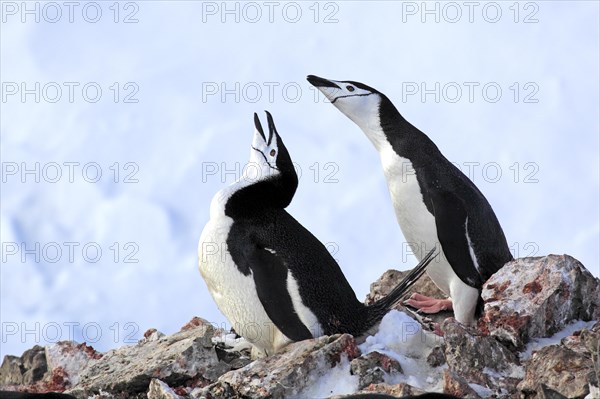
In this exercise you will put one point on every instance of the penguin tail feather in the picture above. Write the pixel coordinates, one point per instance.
(376, 311)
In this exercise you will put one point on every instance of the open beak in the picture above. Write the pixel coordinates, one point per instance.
(258, 127)
(272, 128)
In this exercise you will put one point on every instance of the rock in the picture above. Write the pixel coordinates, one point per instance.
(480, 359)
(547, 393)
(398, 390)
(527, 299)
(71, 358)
(235, 360)
(186, 357)
(34, 362)
(436, 357)
(455, 385)
(286, 373)
(560, 369)
(28, 369)
(152, 334)
(372, 367)
(31, 372)
(536, 297)
(10, 371)
(160, 390)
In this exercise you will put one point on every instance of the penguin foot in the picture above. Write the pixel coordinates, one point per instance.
(427, 304)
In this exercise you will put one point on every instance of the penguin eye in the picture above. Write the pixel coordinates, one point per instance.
(350, 88)
(272, 153)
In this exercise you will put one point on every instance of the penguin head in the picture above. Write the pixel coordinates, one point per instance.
(268, 155)
(356, 100)
(270, 163)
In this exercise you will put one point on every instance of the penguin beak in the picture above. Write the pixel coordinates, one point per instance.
(272, 128)
(329, 88)
(258, 127)
(261, 144)
(321, 82)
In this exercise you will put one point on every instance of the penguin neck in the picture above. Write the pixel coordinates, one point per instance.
(247, 197)
(388, 130)
(376, 124)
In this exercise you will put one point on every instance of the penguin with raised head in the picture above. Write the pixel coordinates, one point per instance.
(273, 280)
(433, 200)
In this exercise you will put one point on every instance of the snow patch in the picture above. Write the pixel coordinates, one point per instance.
(401, 338)
(594, 392)
(482, 391)
(336, 381)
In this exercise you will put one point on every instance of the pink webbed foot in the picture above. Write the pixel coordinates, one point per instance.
(427, 304)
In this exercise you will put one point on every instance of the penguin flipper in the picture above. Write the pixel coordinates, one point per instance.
(451, 221)
(270, 277)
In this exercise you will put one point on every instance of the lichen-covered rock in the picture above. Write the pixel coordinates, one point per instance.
(160, 390)
(10, 371)
(481, 359)
(286, 373)
(28, 369)
(372, 367)
(71, 357)
(561, 369)
(437, 356)
(547, 393)
(536, 297)
(397, 390)
(526, 300)
(455, 385)
(184, 357)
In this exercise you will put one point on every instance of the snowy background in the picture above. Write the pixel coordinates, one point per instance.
(116, 135)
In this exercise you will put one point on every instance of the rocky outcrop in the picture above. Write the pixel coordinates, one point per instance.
(287, 373)
(373, 367)
(186, 358)
(480, 360)
(539, 338)
(28, 369)
(568, 368)
(537, 297)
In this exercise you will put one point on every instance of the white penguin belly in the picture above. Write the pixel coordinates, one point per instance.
(234, 293)
(416, 222)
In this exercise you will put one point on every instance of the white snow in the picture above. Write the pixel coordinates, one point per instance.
(482, 391)
(402, 338)
(594, 393)
(337, 381)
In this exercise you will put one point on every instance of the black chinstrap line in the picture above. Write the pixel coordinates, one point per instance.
(351, 95)
(266, 161)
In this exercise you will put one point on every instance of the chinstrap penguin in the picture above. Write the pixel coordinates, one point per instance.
(434, 202)
(273, 280)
